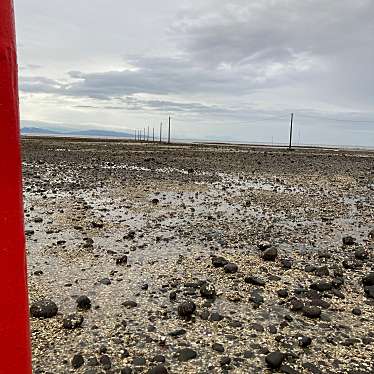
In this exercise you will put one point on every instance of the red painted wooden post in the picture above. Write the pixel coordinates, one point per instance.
(14, 315)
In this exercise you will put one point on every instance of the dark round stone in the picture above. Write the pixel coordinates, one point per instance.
(321, 286)
(105, 281)
(218, 347)
(105, 362)
(356, 311)
(129, 304)
(84, 302)
(270, 254)
(255, 281)
(305, 341)
(173, 296)
(43, 309)
(224, 361)
(311, 311)
(368, 280)
(77, 361)
(207, 291)
(274, 359)
(219, 262)
(186, 354)
(159, 369)
(230, 268)
(283, 293)
(186, 309)
(262, 246)
(72, 321)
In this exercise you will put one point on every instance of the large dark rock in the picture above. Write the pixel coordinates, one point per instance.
(270, 254)
(322, 286)
(230, 268)
(186, 354)
(84, 302)
(77, 361)
(274, 359)
(368, 280)
(311, 311)
(254, 281)
(186, 309)
(43, 309)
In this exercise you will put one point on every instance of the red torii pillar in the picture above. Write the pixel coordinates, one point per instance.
(14, 316)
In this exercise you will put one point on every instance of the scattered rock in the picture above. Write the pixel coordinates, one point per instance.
(77, 361)
(207, 291)
(311, 311)
(270, 254)
(121, 260)
(186, 354)
(84, 302)
(275, 359)
(43, 309)
(72, 321)
(349, 240)
(219, 262)
(230, 268)
(186, 309)
(159, 369)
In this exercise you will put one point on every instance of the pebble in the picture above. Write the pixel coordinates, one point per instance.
(207, 291)
(121, 260)
(304, 341)
(230, 268)
(83, 302)
(218, 347)
(254, 281)
(186, 354)
(275, 359)
(186, 309)
(72, 321)
(270, 254)
(43, 309)
(219, 262)
(311, 311)
(77, 361)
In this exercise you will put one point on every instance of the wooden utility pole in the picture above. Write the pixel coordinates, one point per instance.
(148, 134)
(169, 131)
(153, 135)
(144, 133)
(161, 132)
(290, 145)
(135, 134)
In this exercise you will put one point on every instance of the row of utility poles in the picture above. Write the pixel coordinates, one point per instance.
(144, 136)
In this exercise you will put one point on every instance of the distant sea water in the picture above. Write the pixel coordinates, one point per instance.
(213, 141)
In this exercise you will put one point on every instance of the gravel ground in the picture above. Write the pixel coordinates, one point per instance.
(149, 258)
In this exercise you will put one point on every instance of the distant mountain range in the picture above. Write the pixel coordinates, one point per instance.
(90, 133)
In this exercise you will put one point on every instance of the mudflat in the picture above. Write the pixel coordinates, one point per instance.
(187, 258)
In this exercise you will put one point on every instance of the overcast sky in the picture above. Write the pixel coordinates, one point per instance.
(227, 69)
